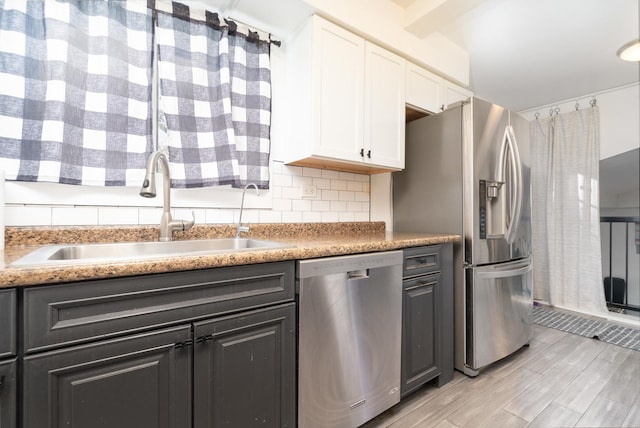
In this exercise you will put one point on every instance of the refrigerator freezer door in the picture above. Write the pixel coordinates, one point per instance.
(499, 311)
(496, 184)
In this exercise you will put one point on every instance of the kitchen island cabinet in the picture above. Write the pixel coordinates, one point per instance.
(150, 350)
(8, 365)
(427, 316)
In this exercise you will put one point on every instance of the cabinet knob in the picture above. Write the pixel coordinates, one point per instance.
(361, 152)
(369, 154)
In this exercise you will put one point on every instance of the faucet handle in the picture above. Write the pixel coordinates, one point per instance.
(188, 224)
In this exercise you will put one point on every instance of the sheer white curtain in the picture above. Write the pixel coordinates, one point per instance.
(565, 216)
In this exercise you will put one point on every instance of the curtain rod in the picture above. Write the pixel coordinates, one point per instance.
(576, 99)
(211, 18)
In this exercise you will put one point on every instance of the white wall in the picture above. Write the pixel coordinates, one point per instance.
(619, 117)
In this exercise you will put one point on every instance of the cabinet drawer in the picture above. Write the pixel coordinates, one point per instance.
(421, 260)
(422, 281)
(8, 322)
(80, 312)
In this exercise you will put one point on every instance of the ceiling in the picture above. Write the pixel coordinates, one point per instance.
(526, 54)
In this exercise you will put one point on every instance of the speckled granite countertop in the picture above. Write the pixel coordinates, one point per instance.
(304, 241)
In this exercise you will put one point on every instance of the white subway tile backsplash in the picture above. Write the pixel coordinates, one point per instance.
(292, 216)
(320, 206)
(301, 205)
(340, 196)
(269, 216)
(329, 217)
(344, 216)
(74, 216)
(117, 215)
(346, 196)
(347, 176)
(311, 217)
(361, 216)
(27, 215)
(298, 180)
(281, 204)
(354, 206)
(354, 186)
(291, 170)
(322, 183)
(248, 216)
(290, 193)
(326, 173)
(311, 172)
(149, 215)
(362, 196)
(339, 206)
(338, 185)
(330, 195)
(281, 180)
(214, 216)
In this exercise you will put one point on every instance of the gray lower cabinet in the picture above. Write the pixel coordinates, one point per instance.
(206, 348)
(427, 316)
(421, 331)
(138, 381)
(8, 405)
(8, 361)
(244, 370)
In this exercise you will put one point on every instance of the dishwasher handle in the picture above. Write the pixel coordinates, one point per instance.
(358, 274)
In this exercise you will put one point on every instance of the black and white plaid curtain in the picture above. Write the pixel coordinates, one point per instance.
(75, 91)
(215, 96)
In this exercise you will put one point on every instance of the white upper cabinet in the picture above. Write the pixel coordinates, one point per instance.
(452, 93)
(346, 102)
(384, 108)
(429, 92)
(338, 93)
(423, 89)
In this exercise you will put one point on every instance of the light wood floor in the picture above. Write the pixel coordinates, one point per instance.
(561, 380)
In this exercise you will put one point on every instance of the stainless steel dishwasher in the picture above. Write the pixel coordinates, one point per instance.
(350, 321)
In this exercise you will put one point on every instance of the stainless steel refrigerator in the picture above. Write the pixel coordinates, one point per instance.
(468, 172)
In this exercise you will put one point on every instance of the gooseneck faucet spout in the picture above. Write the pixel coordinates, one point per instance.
(148, 190)
(239, 227)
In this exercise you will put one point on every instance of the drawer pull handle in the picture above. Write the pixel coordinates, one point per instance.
(184, 344)
(204, 338)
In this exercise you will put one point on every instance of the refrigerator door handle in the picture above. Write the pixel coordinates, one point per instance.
(506, 273)
(509, 144)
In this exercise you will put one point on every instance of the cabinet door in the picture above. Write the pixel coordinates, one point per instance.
(452, 93)
(422, 89)
(8, 394)
(8, 323)
(338, 60)
(137, 381)
(384, 108)
(420, 332)
(244, 370)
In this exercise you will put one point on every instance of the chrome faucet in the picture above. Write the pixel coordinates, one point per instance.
(148, 190)
(239, 227)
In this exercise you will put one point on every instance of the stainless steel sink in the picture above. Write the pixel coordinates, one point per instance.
(92, 253)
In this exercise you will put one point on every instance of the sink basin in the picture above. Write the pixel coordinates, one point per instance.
(92, 253)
